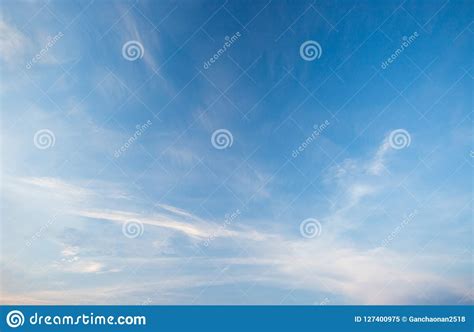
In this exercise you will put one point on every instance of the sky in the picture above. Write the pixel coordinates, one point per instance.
(236, 152)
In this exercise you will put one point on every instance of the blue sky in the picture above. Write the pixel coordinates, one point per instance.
(153, 175)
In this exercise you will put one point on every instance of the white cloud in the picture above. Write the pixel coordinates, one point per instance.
(57, 187)
(176, 210)
(377, 165)
(195, 231)
(350, 270)
(359, 276)
(130, 32)
(13, 43)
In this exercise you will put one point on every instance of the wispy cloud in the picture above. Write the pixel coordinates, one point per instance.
(13, 43)
(65, 209)
(156, 220)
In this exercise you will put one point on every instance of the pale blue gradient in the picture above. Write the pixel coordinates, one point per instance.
(63, 207)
